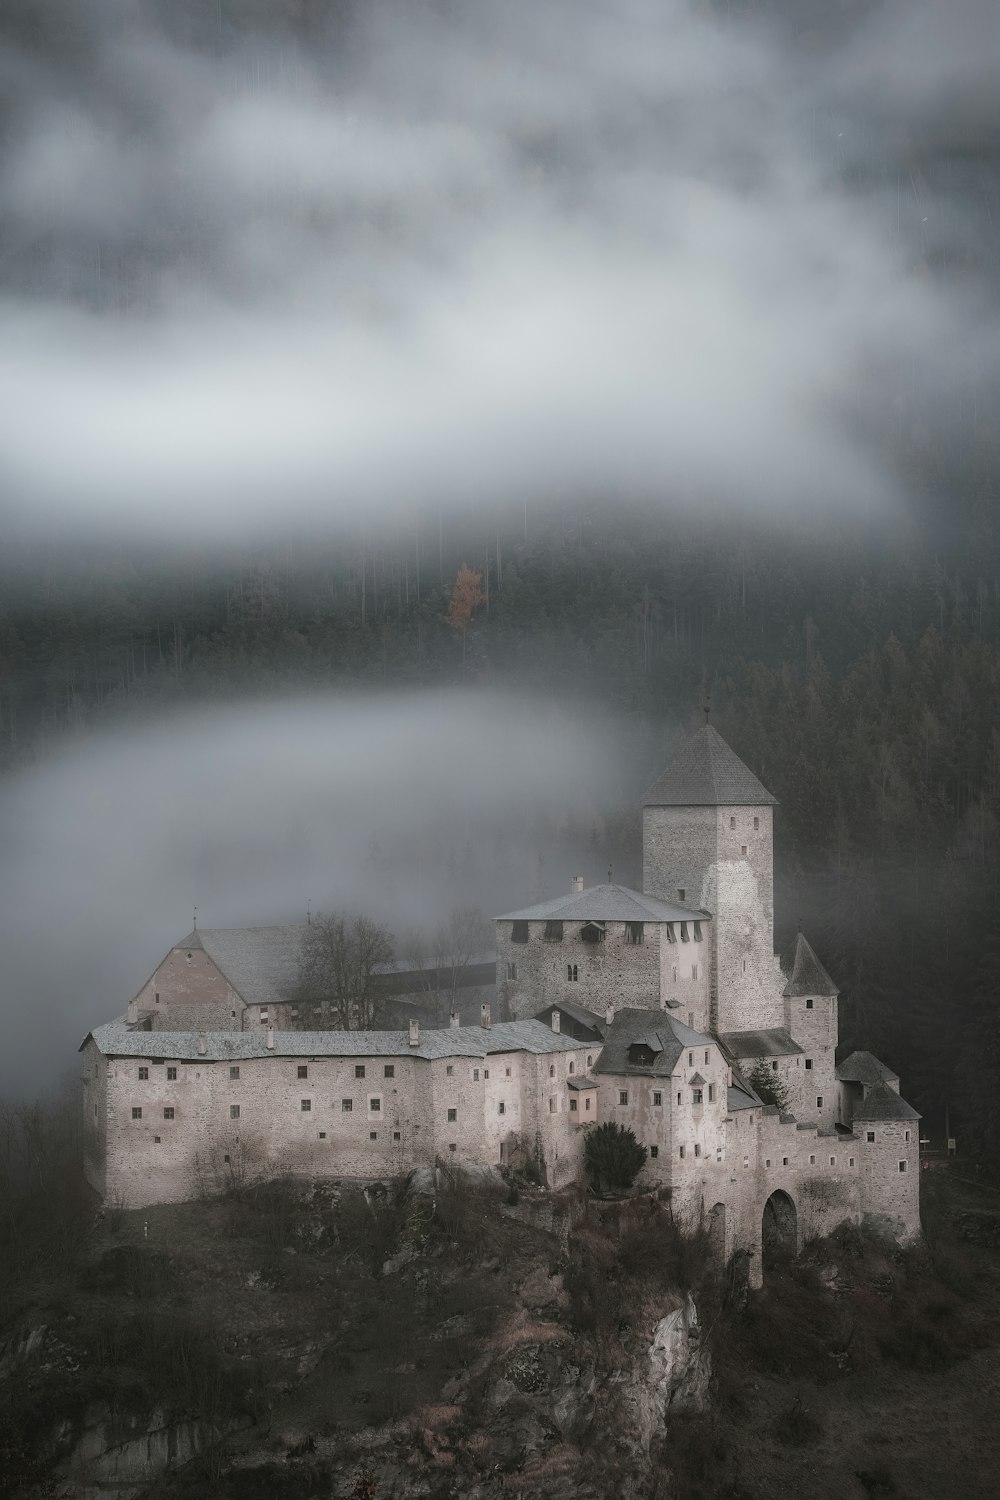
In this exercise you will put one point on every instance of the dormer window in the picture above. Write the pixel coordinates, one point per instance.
(635, 932)
(554, 932)
(593, 932)
(671, 935)
(640, 1055)
(519, 932)
(684, 933)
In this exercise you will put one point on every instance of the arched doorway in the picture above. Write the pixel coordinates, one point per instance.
(779, 1229)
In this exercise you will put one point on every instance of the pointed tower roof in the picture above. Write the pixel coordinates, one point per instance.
(706, 773)
(806, 975)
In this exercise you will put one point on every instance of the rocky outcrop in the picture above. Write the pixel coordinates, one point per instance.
(674, 1376)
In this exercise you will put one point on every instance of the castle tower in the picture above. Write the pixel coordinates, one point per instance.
(707, 842)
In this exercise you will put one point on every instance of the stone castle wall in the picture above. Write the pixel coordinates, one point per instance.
(188, 993)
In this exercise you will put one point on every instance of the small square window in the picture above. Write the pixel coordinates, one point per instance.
(156, 1138)
(767, 1162)
(346, 1105)
(452, 1116)
(902, 1166)
(143, 1073)
(654, 1152)
(168, 1113)
(475, 1075)
(657, 1099)
(819, 1101)
(870, 1137)
(449, 1069)
(501, 1108)
(572, 1106)
(507, 1072)
(137, 1111)
(850, 1161)
(375, 1105)
(681, 893)
(809, 1002)
(812, 1161)
(774, 1067)
(743, 848)
(302, 1071)
(395, 1135)
(359, 1070)
(623, 1096)
(305, 1105)
(809, 1063)
(171, 1074)
(833, 1161)
(373, 1135)
(322, 1135)
(234, 1111)
(389, 1071)
(784, 1161)
(234, 1073)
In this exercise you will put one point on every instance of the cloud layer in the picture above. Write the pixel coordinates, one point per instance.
(464, 254)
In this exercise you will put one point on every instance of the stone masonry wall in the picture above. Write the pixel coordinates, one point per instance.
(613, 970)
(188, 993)
(890, 1195)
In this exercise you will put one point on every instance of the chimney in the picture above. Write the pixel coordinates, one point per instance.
(555, 1020)
(609, 1014)
(484, 1017)
(414, 1033)
(454, 1019)
(270, 1039)
(202, 1044)
(133, 1012)
(577, 885)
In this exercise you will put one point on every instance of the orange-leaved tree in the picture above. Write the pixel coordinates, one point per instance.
(465, 597)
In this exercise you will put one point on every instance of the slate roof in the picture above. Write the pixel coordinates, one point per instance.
(883, 1103)
(737, 1098)
(630, 1026)
(578, 1013)
(606, 903)
(117, 1039)
(864, 1067)
(774, 1043)
(581, 1081)
(806, 975)
(705, 772)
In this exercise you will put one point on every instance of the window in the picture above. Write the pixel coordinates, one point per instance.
(657, 1099)
(375, 1105)
(809, 1063)
(572, 1066)
(346, 1105)
(743, 848)
(767, 1162)
(697, 1150)
(373, 1135)
(784, 1161)
(586, 1103)
(902, 1166)
(156, 1138)
(744, 966)
(571, 973)
(711, 1093)
(572, 1106)
(137, 1111)
(809, 1003)
(697, 931)
(690, 1059)
(756, 824)
(552, 1070)
(554, 932)
(157, 997)
(322, 1135)
(635, 932)
(833, 1161)
(452, 1146)
(732, 822)
(681, 893)
(263, 1017)
(305, 1105)
(552, 1106)
(870, 1137)
(226, 1157)
(234, 1073)
(475, 1075)
(395, 1135)
(507, 1072)
(590, 1059)
(486, 1073)
(746, 1162)
(519, 932)
(819, 1101)
(359, 1071)
(302, 1071)
(774, 1067)
(696, 1096)
(168, 1113)
(511, 970)
(654, 1152)
(450, 1069)
(143, 1073)
(684, 933)
(623, 1096)
(694, 971)
(812, 1161)
(452, 1116)
(234, 1111)
(389, 1071)
(682, 1153)
(707, 1054)
(907, 1135)
(501, 1108)
(679, 1100)
(171, 1074)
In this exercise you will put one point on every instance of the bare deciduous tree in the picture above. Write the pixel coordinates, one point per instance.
(341, 959)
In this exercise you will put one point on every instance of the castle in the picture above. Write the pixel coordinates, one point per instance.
(650, 1008)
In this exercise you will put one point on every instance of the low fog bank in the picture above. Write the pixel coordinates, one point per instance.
(263, 269)
(398, 806)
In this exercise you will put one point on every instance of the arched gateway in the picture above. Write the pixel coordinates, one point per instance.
(779, 1227)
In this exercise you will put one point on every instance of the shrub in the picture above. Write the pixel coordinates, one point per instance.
(612, 1157)
(767, 1085)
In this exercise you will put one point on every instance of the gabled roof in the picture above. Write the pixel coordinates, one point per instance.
(696, 1081)
(863, 1067)
(605, 903)
(806, 975)
(581, 1081)
(578, 1013)
(643, 1026)
(117, 1039)
(774, 1043)
(883, 1103)
(705, 772)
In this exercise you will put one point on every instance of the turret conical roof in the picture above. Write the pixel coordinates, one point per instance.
(706, 773)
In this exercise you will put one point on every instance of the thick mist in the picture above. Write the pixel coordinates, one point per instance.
(400, 254)
(398, 806)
